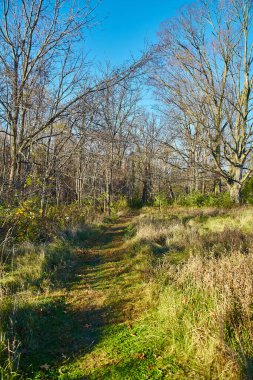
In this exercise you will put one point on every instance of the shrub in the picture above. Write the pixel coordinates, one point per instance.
(27, 223)
(247, 192)
(135, 203)
(161, 200)
(196, 199)
(120, 205)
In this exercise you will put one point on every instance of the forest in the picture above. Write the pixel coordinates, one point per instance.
(126, 246)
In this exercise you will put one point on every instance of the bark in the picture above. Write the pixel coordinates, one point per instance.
(13, 164)
(43, 201)
(171, 192)
(235, 190)
(235, 186)
(217, 186)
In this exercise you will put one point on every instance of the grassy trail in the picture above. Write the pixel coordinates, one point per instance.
(124, 310)
(101, 293)
(101, 290)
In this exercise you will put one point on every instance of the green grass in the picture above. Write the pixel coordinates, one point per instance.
(138, 298)
(152, 348)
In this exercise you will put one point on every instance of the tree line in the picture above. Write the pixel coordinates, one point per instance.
(67, 134)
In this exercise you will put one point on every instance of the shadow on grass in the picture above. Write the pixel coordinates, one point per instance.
(248, 365)
(50, 331)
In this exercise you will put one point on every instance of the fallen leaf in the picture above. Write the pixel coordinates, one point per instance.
(45, 366)
(141, 356)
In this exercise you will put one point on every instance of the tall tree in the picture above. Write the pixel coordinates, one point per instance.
(203, 68)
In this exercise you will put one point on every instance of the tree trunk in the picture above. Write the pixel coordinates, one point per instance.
(145, 192)
(235, 185)
(235, 190)
(217, 186)
(43, 201)
(108, 193)
(171, 193)
(13, 163)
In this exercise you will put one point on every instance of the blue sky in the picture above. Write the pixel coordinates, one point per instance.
(125, 25)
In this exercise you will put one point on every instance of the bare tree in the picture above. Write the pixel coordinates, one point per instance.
(204, 70)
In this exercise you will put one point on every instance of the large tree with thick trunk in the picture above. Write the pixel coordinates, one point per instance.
(203, 68)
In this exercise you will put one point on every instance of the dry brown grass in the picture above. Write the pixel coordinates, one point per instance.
(207, 298)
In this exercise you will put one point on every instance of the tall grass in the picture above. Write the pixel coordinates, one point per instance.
(36, 258)
(203, 299)
(29, 272)
(191, 316)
